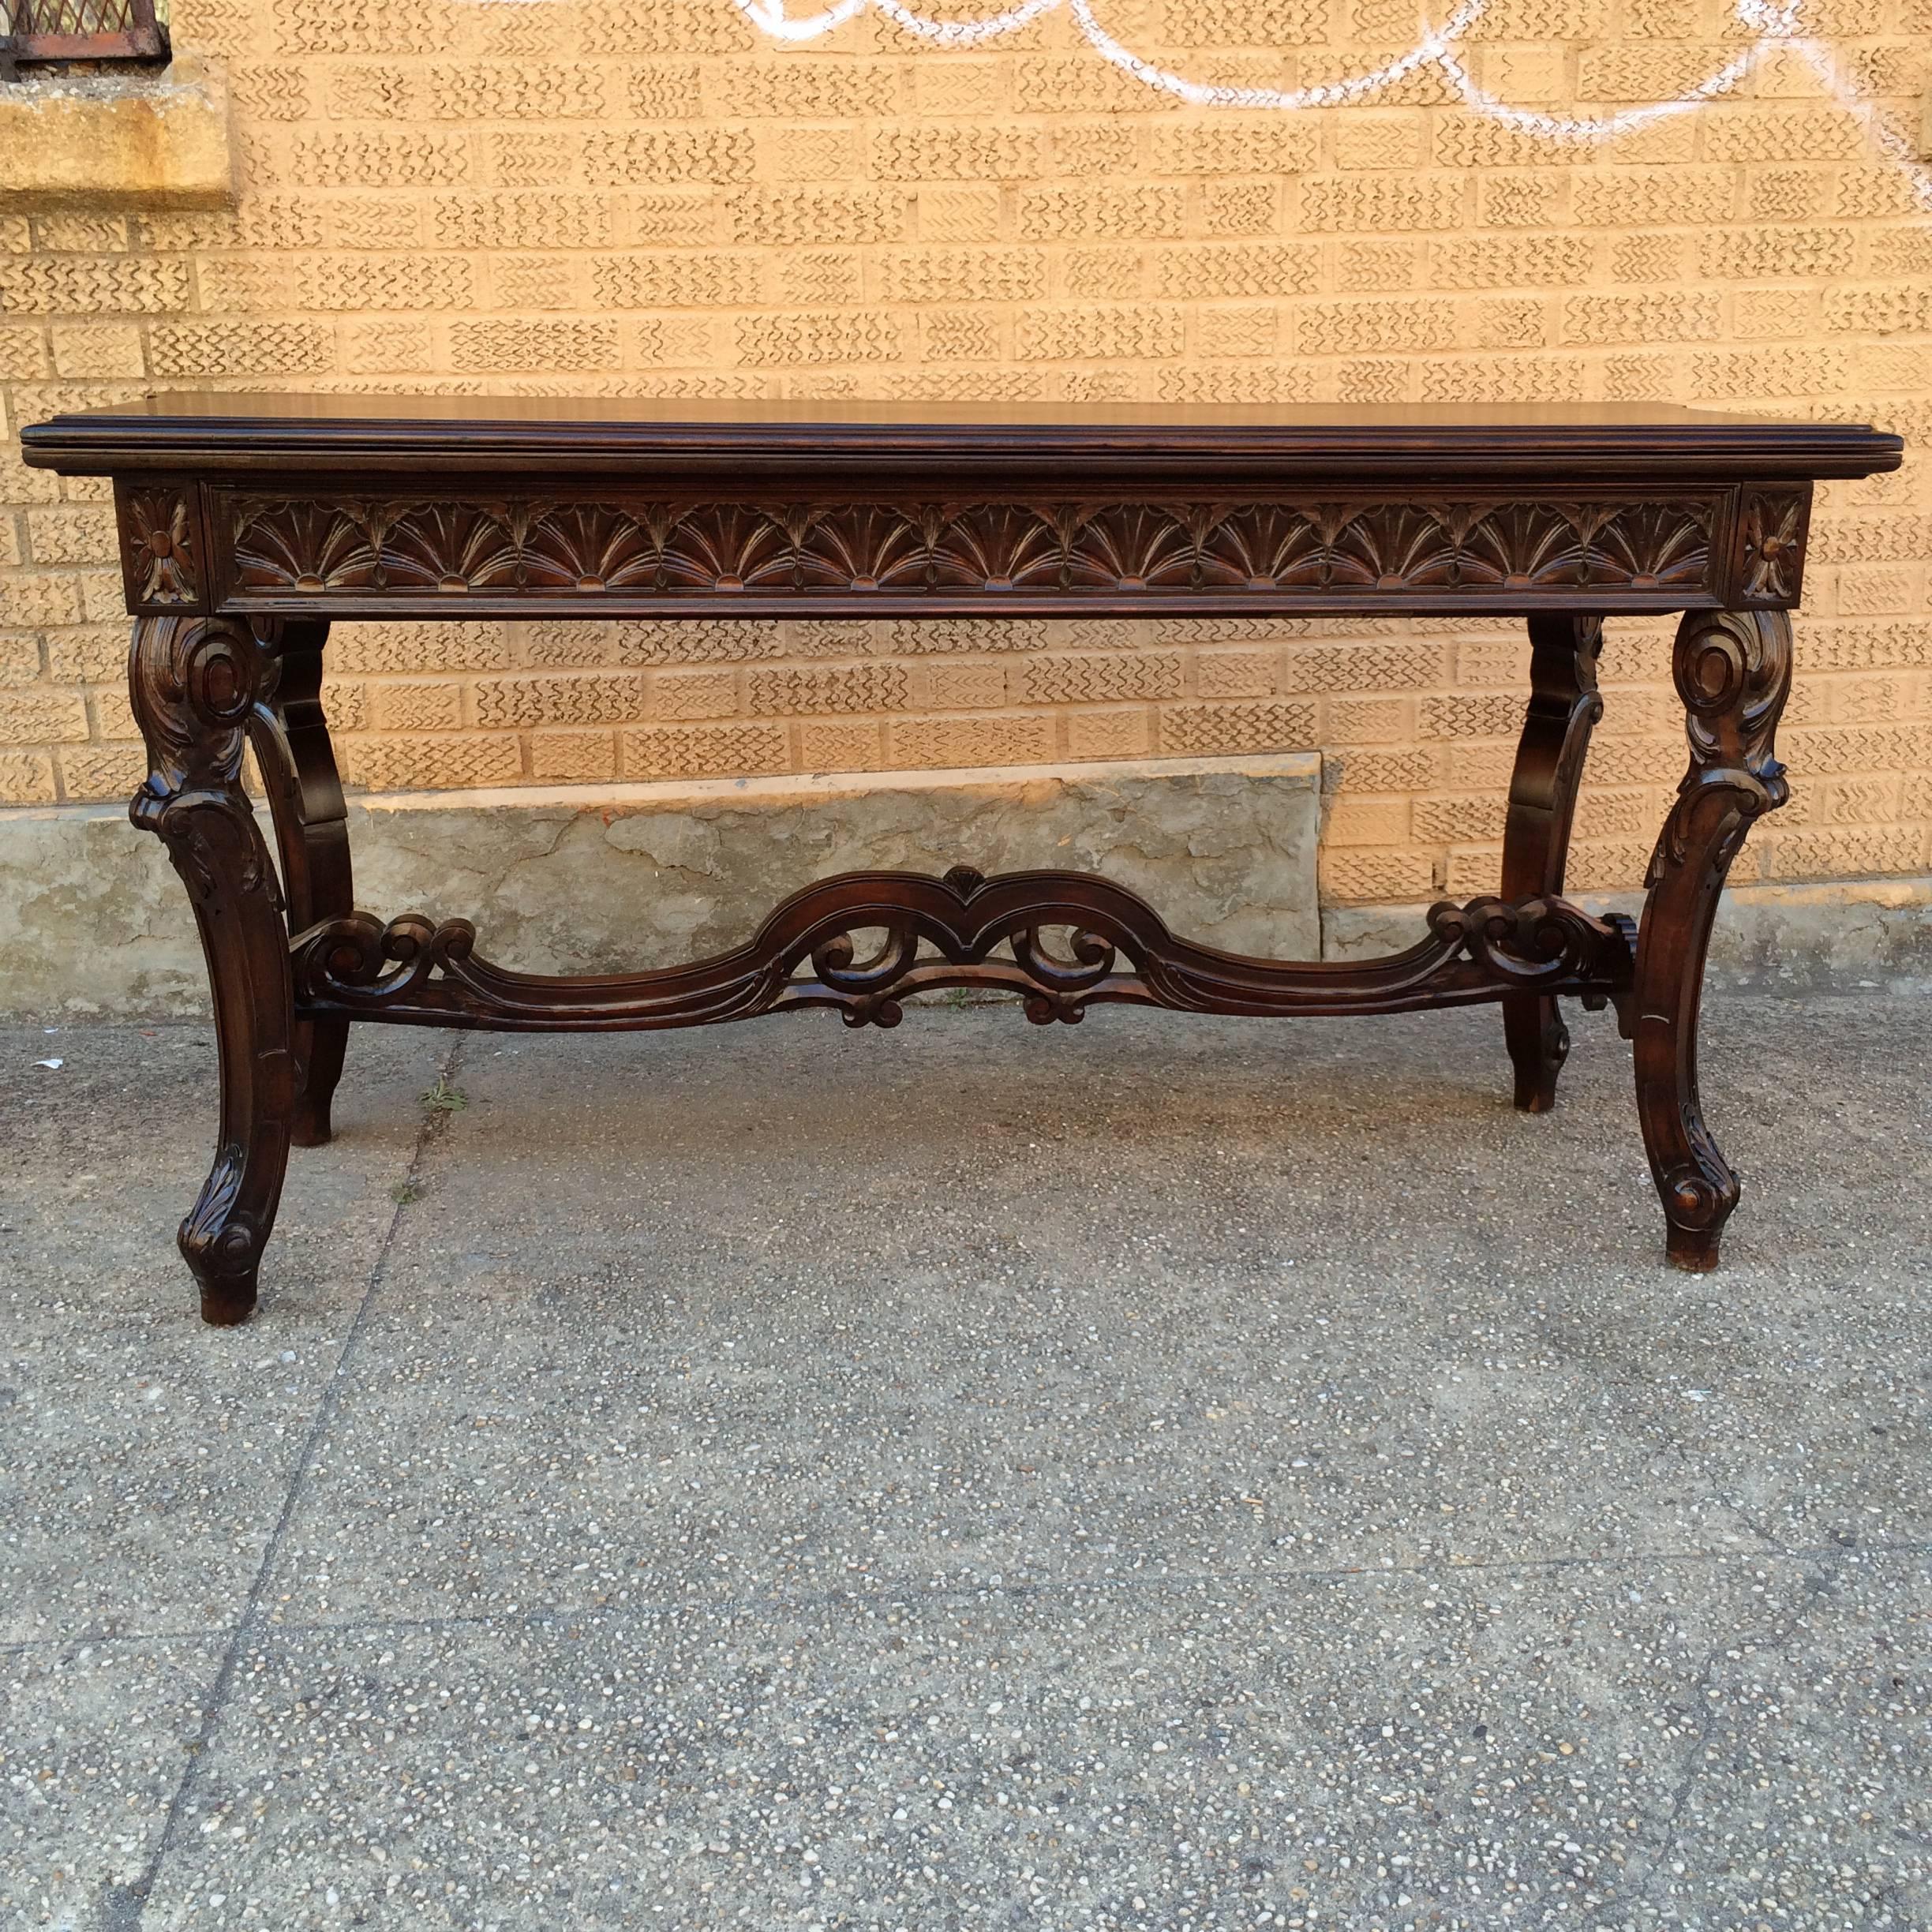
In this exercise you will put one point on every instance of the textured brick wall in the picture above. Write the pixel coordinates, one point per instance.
(618, 197)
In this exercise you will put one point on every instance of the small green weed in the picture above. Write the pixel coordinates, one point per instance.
(405, 1193)
(443, 1099)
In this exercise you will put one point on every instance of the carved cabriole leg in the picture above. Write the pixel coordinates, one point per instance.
(1733, 672)
(1563, 704)
(195, 682)
(291, 741)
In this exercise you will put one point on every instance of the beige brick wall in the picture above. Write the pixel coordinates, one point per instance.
(621, 197)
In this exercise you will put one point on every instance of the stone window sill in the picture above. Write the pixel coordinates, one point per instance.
(138, 140)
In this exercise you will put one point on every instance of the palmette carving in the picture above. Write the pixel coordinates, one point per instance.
(941, 933)
(666, 548)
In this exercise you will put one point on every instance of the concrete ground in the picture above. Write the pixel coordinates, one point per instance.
(1167, 1473)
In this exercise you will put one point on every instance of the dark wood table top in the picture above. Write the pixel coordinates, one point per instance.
(1579, 444)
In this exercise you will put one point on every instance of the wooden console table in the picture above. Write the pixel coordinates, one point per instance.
(247, 523)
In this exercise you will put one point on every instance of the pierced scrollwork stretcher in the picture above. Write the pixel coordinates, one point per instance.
(934, 933)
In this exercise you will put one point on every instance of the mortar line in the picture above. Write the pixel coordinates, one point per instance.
(125, 1906)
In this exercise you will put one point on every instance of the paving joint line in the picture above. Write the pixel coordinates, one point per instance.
(124, 1907)
(938, 1593)
(934, 1593)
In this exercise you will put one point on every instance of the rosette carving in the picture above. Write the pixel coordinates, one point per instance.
(1771, 545)
(160, 544)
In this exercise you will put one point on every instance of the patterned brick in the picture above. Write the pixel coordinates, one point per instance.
(1800, 251)
(489, 91)
(1059, 214)
(573, 757)
(649, 156)
(523, 220)
(935, 151)
(526, 345)
(240, 349)
(799, 690)
(419, 706)
(80, 349)
(1634, 197)
(27, 778)
(1019, 738)
(1233, 382)
(705, 751)
(955, 274)
(1511, 261)
(697, 640)
(101, 771)
(1763, 133)
(1138, 330)
(964, 686)
(608, 698)
(35, 717)
(819, 336)
(86, 285)
(1670, 317)
(816, 216)
(71, 535)
(1200, 729)
(1097, 677)
(456, 760)
(800, 87)
(380, 158)
(1346, 328)
(707, 278)
(1238, 268)
(1376, 205)
(404, 647)
(1347, 876)
(841, 744)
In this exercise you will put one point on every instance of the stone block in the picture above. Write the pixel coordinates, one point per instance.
(603, 878)
(141, 141)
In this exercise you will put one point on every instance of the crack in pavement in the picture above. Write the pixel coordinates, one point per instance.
(123, 1908)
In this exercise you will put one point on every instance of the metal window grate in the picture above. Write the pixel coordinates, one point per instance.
(81, 30)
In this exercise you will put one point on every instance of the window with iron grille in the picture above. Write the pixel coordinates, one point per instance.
(82, 30)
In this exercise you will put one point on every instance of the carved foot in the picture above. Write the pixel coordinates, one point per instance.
(1694, 1250)
(226, 1301)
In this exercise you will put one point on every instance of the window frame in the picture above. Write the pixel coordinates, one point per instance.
(143, 38)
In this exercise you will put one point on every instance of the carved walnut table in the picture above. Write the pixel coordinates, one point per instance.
(247, 523)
